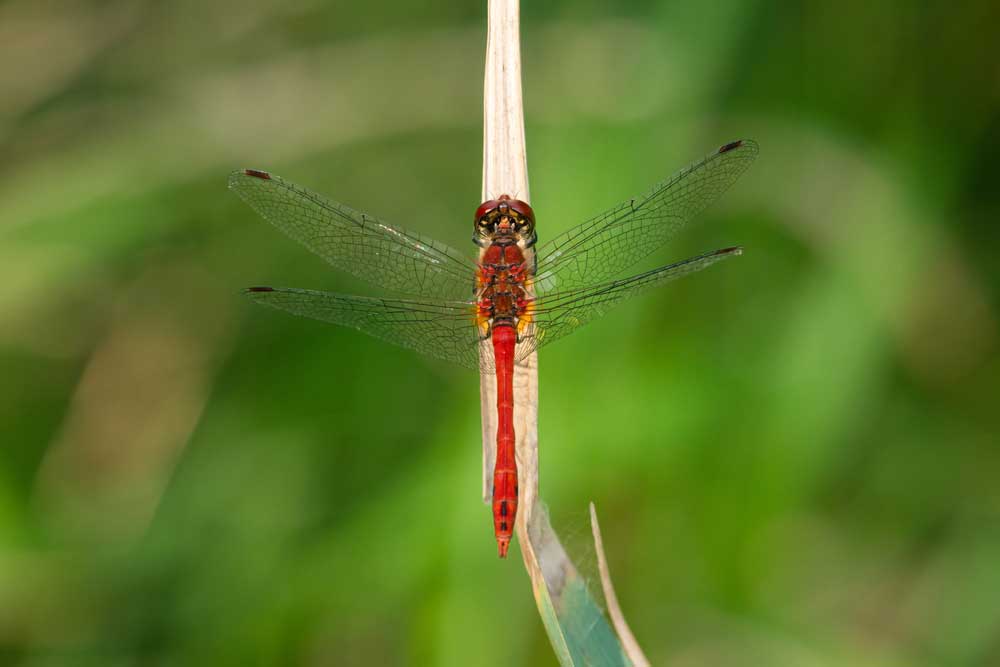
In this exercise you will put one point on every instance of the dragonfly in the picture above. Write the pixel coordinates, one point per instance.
(491, 312)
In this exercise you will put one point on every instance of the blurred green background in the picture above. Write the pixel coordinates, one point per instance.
(794, 454)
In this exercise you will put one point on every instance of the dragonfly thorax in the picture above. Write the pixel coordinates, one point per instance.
(502, 275)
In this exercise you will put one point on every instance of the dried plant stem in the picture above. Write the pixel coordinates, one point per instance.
(505, 171)
(576, 627)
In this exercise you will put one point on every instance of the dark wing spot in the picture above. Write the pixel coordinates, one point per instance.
(257, 173)
(730, 146)
(735, 250)
(260, 289)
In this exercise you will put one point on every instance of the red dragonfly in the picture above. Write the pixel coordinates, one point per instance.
(516, 295)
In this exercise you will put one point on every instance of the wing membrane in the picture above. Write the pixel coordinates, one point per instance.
(558, 314)
(602, 247)
(438, 329)
(382, 254)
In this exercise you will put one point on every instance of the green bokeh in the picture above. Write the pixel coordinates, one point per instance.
(794, 454)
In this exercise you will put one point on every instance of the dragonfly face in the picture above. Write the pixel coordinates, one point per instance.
(505, 220)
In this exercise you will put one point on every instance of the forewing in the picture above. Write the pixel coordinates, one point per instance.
(382, 254)
(558, 314)
(438, 329)
(602, 247)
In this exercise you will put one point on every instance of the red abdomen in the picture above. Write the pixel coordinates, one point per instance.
(505, 471)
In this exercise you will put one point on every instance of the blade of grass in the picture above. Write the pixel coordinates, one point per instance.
(629, 644)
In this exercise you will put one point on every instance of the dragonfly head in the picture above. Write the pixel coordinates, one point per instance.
(504, 219)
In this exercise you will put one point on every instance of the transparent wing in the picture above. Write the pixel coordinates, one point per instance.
(384, 255)
(602, 247)
(438, 329)
(558, 314)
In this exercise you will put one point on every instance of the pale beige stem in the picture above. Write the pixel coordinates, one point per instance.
(505, 172)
